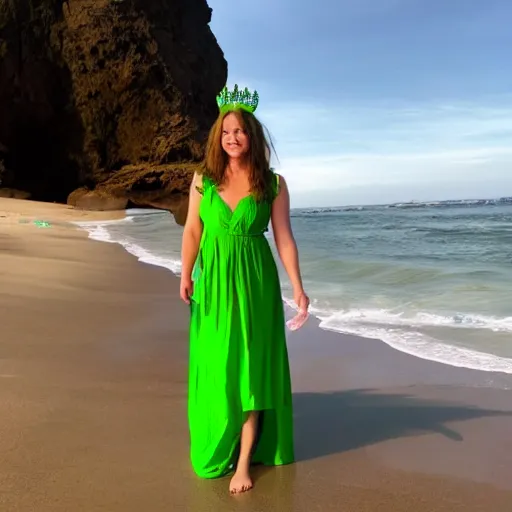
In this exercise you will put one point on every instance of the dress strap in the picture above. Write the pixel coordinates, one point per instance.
(276, 183)
(206, 183)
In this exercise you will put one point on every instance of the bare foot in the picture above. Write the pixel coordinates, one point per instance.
(241, 482)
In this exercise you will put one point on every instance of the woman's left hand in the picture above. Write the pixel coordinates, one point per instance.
(302, 301)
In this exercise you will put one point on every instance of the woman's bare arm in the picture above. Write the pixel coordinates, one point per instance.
(192, 231)
(283, 236)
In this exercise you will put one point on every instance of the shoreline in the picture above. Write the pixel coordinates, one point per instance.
(69, 217)
(443, 353)
(94, 374)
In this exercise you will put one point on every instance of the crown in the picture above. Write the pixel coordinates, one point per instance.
(231, 100)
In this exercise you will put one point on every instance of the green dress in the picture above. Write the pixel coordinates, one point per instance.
(238, 353)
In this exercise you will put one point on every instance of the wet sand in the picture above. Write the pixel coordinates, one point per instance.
(93, 376)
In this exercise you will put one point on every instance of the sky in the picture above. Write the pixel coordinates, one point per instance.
(378, 101)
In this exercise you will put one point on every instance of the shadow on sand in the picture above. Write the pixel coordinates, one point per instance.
(329, 423)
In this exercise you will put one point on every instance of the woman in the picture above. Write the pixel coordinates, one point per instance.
(240, 404)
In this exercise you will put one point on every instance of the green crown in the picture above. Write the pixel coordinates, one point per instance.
(237, 99)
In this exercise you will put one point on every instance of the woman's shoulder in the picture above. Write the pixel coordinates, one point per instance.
(201, 182)
(278, 181)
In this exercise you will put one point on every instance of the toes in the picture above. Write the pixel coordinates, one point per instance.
(240, 487)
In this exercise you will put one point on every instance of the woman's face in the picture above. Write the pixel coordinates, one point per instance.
(235, 141)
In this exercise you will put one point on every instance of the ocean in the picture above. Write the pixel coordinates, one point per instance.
(430, 279)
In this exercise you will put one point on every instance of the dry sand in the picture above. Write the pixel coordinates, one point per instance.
(93, 375)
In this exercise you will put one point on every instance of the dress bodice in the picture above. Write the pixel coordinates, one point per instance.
(249, 218)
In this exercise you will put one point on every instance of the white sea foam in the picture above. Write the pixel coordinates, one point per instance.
(147, 257)
(384, 318)
(426, 347)
(398, 331)
(99, 231)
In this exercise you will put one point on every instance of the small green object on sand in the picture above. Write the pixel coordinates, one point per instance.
(42, 224)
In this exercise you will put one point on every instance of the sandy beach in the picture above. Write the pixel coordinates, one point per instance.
(93, 373)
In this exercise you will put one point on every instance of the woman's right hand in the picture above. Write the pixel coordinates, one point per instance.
(186, 289)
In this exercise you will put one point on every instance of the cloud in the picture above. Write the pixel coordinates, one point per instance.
(406, 145)
(317, 173)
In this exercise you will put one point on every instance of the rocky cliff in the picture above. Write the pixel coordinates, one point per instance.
(113, 96)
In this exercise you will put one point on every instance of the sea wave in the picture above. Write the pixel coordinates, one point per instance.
(385, 318)
(401, 332)
(99, 231)
(429, 348)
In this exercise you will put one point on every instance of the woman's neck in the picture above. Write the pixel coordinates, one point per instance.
(237, 167)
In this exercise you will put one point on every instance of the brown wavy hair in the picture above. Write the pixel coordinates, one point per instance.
(261, 147)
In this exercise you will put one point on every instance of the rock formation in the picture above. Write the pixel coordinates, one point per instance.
(110, 96)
